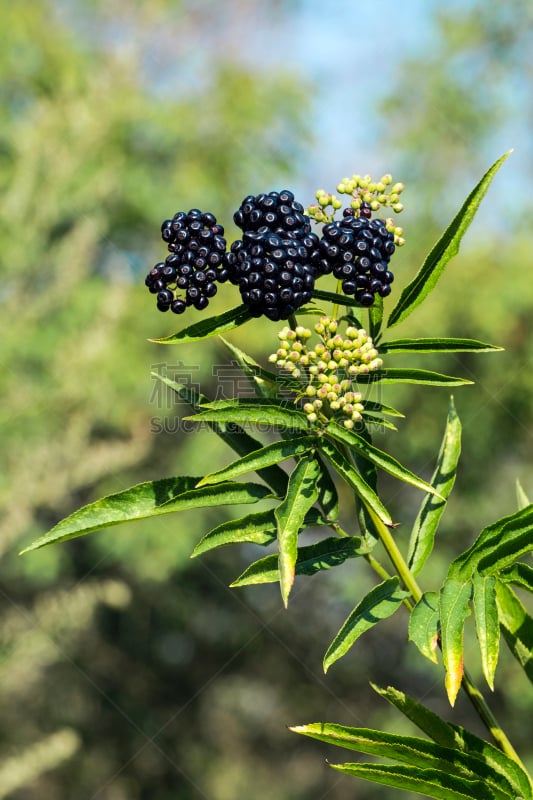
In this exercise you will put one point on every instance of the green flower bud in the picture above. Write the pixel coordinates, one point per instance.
(397, 188)
(397, 207)
(335, 405)
(308, 408)
(303, 333)
(374, 205)
(310, 391)
(336, 203)
(387, 179)
(348, 424)
(332, 365)
(313, 369)
(332, 396)
(273, 357)
(312, 417)
(322, 393)
(317, 404)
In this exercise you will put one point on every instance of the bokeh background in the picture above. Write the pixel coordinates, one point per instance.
(127, 670)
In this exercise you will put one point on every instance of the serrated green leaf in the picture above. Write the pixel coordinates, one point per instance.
(381, 408)
(430, 782)
(302, 492)
(375, 318)
(150, 499)
(496, 546)
(311, 559)
(233, 435)
(370, 419)
(354, 479)
(459, 738)
(487, 624)
(517, 627)
(411, 750)
(424, 625)
(520, 574)
(435, 345)
(454, 608)
(263, 414)
(432, 508)
(265, 456)
(378, 457)
(213, 326)
(381, 602)
(441, 253)
(408, 375)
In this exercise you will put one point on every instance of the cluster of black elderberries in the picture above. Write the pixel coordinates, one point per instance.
(278, 259)
(274, 264)
(189, 275)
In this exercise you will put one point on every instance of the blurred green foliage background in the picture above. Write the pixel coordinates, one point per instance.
(129, 672)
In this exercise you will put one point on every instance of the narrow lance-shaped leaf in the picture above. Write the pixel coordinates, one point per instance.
(436, 345)
(354, 479)
(381, 602)
(328, 497)
(424, 625)
(521, 497)
(376, 456)
(417, 376)
(517, 627)
(430, 782)
(520, 574)
(411, 750)
(233, 435)
(336, 299)
(326, 554)
(209, 327)
(250, 368)
(432, 508)
(263, 457)
(258, 528)
(150, 499)
(487, 624)
(441, 253)
(302, 492)
(457, 737)
(264, 414)
(454, 609)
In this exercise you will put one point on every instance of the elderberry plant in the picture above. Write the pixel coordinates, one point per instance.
(324, 420)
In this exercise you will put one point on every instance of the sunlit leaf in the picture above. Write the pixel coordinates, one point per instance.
(520, 574)
(424, 625)
(263, 457)
(209, 327)
(381, 602)
(310, 559)
(263, 386)
(354, 479)
(150, 499)
(521, 497)
(408, 375)
(441, 253)
(336, 299)
(435, 345)
(302, 492)
(432, 508)
(487, 624)
(246, 413)
(454, 605)
(517, 627)
(328, 499)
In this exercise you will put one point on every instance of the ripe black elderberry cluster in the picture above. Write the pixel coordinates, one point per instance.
(357, 250)
(274, 264)
(189, 275)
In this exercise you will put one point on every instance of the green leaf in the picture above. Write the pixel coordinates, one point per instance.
(375, 317)
(257, 528)
(354, 479)
(407, 375)
(381, 408)
(213, 326)
(263, 457)
(336, 299)
(262, 413)
(454, 609)
(521, 497)
(381, 602)
(328, 498)
(520, 574)
(441, 253)
(516, 626)
(424, 625)
(234, 436)
(432, 508)
(411, 750)
(376, 456)
(310, 559)
(263, 387)
(457, 737)
(487, 624)
(496, 546)
(430, 782)
(150, 499)
(302, 492)
(435, 345)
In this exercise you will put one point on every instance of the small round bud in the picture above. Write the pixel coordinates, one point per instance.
(310, 391)
(312, 417)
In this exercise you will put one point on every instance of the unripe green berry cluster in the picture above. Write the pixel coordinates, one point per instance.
(366, 197)
(328, 370)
